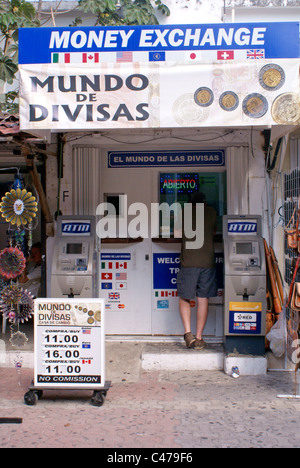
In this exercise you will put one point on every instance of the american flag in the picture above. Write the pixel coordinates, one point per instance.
(121, 276)
(124, 56)
(86, 332)
(255, 54)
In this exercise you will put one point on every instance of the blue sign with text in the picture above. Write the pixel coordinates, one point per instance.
(165, 269)
(259, 40)
(211, 158)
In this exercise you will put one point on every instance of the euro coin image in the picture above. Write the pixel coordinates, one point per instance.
(98, 315)
(255, 105)
(286, 109)
(229, 101)
(187, 113)
(204, 97)
(271, 77)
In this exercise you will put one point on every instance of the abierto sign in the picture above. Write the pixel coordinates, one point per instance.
(104, 78)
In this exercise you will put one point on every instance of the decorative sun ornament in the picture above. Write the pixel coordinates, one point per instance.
(18, 314)
(18, 207)
(11, 294)
(12, 262)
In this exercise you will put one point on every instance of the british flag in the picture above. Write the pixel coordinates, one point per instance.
(254, 54)
(114, 296)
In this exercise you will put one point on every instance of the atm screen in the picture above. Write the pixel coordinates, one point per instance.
(244, 248)
(74, 248)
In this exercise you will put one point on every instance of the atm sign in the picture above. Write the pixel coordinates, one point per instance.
(242, 227)
(76, 228)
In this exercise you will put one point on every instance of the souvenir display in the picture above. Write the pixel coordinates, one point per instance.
(18, 207)
(12, 262)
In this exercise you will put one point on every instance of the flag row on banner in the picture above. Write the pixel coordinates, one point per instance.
(164, 56)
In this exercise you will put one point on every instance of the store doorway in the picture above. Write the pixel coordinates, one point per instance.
(165, 308)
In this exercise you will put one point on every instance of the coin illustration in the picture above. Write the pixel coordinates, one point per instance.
(187, 113)
(204, 97)
(255, 105)
(271, 77)
(229, 101)
(286, 109)
(98, 315)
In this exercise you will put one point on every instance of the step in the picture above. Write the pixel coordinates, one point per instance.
(175, 356)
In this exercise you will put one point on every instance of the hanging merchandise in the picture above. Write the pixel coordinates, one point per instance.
(18, 207)
(276, 337)
(292, 231)
(16, 304)
(276, 299)
(12, 262)
(294, 293)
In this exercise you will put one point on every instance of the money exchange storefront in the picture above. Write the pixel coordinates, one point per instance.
(151, 115)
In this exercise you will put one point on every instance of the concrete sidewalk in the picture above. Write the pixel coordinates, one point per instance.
(154, 409)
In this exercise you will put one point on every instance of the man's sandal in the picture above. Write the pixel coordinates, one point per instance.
(199, 344)
(189, 340)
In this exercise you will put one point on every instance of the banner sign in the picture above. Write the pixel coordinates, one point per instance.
(69, 343)
(209, 158)
(123, 91)
(165, 269)
(159, 43)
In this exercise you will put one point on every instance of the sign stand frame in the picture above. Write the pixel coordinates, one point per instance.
(68, 335)
(35, 393)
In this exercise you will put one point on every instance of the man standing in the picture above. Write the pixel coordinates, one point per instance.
(197, 275)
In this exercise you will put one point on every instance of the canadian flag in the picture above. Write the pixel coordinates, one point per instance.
(117, 265)
(90, 57)
(169, 293)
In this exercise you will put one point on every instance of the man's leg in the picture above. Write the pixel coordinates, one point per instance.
(185, 314)
(202, 313)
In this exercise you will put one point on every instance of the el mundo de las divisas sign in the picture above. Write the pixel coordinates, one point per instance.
(159, 76)
(125, 159)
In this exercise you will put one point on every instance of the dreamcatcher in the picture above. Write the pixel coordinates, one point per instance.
(18, 207)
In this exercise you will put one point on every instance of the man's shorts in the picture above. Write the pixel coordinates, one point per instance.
(196, 282)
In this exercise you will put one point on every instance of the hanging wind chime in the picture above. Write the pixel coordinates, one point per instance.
(18, 207)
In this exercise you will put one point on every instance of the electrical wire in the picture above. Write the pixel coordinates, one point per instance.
(153, 138)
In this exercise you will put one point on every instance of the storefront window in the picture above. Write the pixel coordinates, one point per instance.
(180, 187)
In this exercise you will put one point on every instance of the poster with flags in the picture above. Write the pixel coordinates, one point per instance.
(115, 279)
(159, 76)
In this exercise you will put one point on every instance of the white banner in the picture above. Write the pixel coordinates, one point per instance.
(81, 96)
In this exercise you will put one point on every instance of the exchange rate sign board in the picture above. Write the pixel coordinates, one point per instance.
(69, 340)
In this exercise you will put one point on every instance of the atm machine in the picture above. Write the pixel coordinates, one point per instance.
(245, 285)
(74, 258)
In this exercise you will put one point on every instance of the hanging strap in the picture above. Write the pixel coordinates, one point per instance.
(293, 281)
(292, 219)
